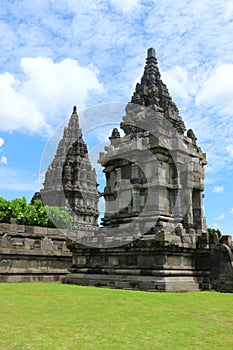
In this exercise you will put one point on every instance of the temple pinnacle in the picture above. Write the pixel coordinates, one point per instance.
(151, 53)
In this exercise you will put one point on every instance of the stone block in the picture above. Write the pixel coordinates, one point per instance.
(186, 239)
(17, 243)
(193, 238)
(62, 231)
(4, 227)
(29, 229)
(179, 230)
(64, 247)
(164, 237)
(20, 228)
(6, 241)
(13, 227)
(176, 239)
(173, 260)
(40, 230)
(226, 239)
(52, 231)
(46, 244)
(27, 243)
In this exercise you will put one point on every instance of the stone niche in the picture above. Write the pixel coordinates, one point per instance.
(154, 233)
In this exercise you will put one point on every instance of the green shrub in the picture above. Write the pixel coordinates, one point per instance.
(59, 217)
(5, 210)
(36, 214)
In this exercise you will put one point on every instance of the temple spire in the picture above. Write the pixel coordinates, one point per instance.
(152, 92)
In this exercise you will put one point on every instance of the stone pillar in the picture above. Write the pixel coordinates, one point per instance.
(197, 209)
(118, 174)
(187, 203)
(136, 200)
(135, 171)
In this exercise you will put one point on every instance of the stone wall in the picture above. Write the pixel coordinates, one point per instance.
(162, 262)
(222, 267)
(32, 254)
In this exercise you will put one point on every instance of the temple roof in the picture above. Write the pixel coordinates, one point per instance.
(152, 92)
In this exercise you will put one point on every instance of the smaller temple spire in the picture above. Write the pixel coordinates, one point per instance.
(70, 181)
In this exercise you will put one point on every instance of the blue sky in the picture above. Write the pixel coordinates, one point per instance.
(55, 54)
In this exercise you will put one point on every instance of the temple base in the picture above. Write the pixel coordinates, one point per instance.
(162, 263)
(161, 283)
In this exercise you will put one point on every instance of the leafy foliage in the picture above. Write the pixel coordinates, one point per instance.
(36, 214)
(5, 210)
(59, 217)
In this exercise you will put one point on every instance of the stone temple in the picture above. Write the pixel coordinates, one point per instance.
(155, 173)
(70, 181)
(153, 234)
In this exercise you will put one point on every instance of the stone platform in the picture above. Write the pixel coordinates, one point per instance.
(159, 263)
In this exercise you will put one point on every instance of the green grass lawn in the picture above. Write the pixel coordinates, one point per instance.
(55, 316)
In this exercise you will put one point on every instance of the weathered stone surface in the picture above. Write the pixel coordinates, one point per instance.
(154, 236)
(154, 171)
(70, 181)
(227, 239)
(144, 265)
(222, 267)
(32, 257)
(40, 230)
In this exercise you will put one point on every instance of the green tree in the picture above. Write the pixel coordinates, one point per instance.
(36, 214)
(5, 210)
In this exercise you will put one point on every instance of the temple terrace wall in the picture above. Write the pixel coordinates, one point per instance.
(32, 254)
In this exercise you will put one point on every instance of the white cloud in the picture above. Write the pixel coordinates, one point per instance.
(217, 90)
(55, 85)
(230, 150)
(1, 142)
(231, 211)
(16, 111)
(3, 160)
(47, 90)
(179, 82)
(221, 217)
(125, 6)
(218, 189)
